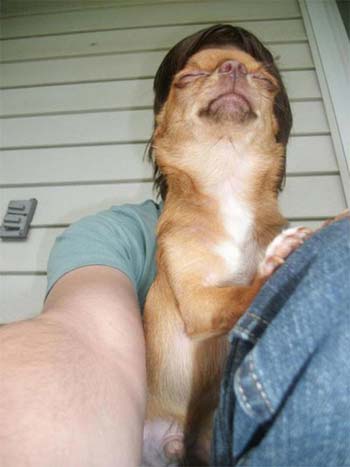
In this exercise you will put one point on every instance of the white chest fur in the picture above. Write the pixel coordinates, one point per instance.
(237, 247)
(230, 170)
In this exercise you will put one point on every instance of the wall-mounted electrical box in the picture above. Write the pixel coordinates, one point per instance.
(17, 219)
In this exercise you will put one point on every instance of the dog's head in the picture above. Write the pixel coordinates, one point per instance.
(219, 92)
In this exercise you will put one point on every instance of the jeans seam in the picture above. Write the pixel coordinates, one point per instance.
(259, 318)
(248, 334)
(243, 394)
(258, 384)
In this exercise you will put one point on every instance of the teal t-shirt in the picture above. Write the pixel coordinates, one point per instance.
(122, 237)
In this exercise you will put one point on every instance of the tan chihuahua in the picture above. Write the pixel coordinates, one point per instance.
(215, 142)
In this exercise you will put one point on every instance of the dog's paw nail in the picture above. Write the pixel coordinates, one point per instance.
(305, 232)
(270, 264)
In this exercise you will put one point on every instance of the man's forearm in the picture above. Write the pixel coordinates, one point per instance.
(61, 403)
(67, 400)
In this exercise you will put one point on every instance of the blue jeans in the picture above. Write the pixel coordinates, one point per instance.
(285, 396)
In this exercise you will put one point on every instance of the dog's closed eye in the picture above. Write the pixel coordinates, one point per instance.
(188, 78)
(266, 81)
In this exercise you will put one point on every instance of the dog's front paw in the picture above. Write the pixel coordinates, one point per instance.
(281, 247)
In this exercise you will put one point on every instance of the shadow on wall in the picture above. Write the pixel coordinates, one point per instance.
(344, 10)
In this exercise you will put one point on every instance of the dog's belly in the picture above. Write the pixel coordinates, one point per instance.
(185, 366)
(176, 356)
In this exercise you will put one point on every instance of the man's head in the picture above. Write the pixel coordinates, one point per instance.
(210, 64)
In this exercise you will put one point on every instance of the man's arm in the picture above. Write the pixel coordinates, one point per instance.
(72, 381)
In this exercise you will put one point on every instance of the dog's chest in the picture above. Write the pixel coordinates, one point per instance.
(237, 247)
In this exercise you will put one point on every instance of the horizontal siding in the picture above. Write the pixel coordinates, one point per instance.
(121, 126)
(311, 154)
(125, 162)
(21, 297)
(64, 165)
(32, 7)
(147, 15)
(135, 66)
(126, 40)
(300, 199)
(125, 94)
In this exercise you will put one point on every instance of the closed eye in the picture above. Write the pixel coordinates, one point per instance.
(261, 77)
(265, 80)
(187, 78)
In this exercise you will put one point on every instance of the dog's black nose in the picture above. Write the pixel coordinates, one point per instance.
(233, 67)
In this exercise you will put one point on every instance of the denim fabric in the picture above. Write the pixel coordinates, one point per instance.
(285, 395)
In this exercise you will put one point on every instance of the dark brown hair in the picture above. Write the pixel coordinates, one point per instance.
(216, 36)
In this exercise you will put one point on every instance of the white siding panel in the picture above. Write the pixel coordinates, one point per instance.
(91, 128)
(304, 196)
(115, 66)
(116, 95)
(290, 56)
(78, 164)
(306, 154)
(75, 97)
(311, 154)
(120, 126)
(301, 84)
(148, 15)
(309, 117)
(65, 204)
(105, 67)
(18, 7)
(312, 197)
(16, 256)
(127, 41)
(21, 297)
(331, 52)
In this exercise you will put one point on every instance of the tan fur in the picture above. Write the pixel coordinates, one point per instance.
(211, 162)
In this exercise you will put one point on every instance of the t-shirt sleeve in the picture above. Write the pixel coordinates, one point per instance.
(122, 237)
